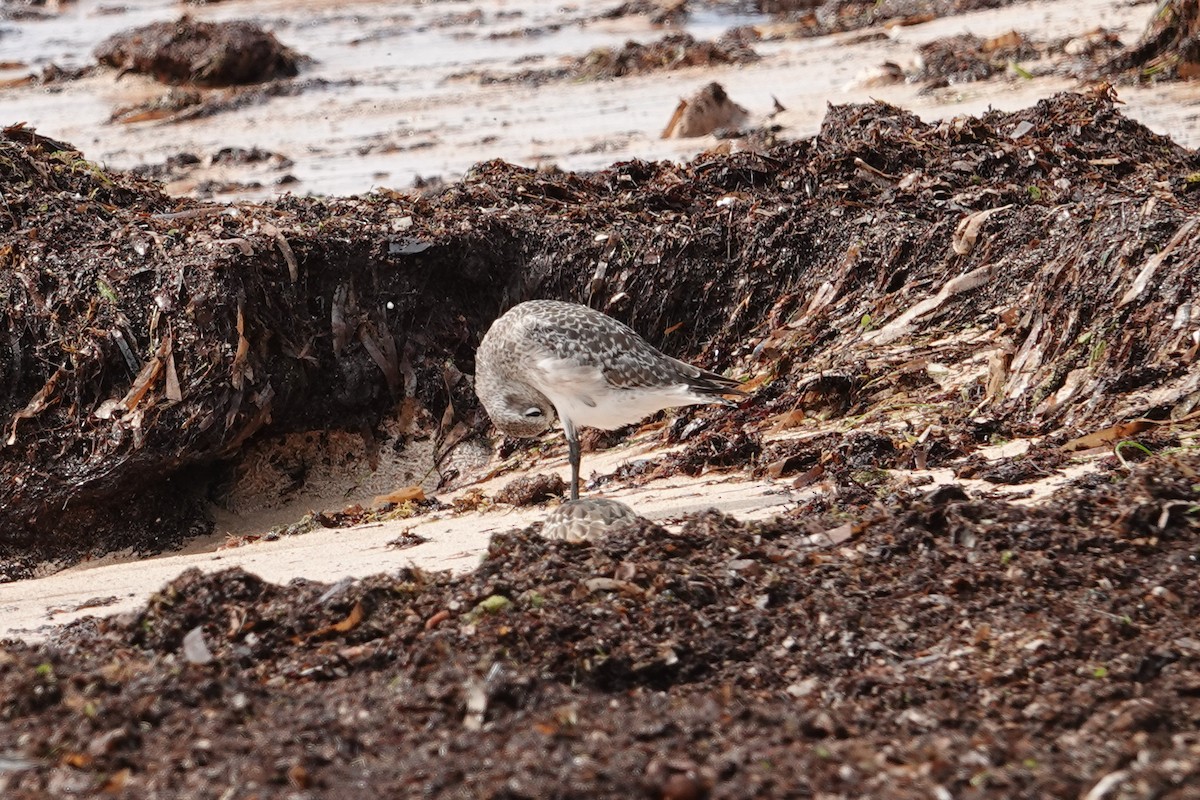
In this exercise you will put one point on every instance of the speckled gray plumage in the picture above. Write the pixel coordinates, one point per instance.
(586, 520)
(587, 336)
(577, 333)
(547, 358)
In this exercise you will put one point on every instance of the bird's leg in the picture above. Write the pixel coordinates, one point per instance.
(573, 449)
(573, 456)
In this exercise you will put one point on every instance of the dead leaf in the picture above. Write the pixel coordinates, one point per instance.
(775, 468)
(1155, 261)
(1108, 435)
(241, 244)
(437, 619)
(614, 585)
(788, 419)
(756, 381)
(967, 231)
(239, 370)
(810, 477)
(25, 80)
(670, 129)
(148, 115)
(778, 469)
(285, 248)
(1188, 69)
(381, 347)
(407, 494)
(341, 314)
(171, 388)
(998, 365)
(871, 172)
(406, 417)
(846, 531)
(1012, 39)
(39, 403)
(298, 776)
(841, 533)
(1071, 384)
(352, 621)
(963, 283)
(147, 376)
(116, 782)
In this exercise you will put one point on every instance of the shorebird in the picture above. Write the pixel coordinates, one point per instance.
(545, 357)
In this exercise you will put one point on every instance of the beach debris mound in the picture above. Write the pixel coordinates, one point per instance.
(1169, 49)
(671, 52)
(990, 648)
(206, 54)
(1019, 273)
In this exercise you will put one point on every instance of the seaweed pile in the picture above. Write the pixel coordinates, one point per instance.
(1048, 255)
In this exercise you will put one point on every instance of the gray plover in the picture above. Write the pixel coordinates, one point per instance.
(547, 357)
(586, 519)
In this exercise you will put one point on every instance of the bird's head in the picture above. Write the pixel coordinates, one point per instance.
(520, 411)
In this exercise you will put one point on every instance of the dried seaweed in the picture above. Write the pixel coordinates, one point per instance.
(815, 259)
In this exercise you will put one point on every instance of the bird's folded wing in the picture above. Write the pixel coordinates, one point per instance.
(624, 359)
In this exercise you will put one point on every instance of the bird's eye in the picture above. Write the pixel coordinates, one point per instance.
(533, 412)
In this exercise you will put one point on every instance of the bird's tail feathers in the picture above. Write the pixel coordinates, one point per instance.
(721, 389)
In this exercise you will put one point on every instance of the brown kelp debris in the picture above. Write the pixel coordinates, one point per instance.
(189, 51)
(1169, 49)
(978, 278)
(49, 74)
(179, 104)
(667, 13)
(1031, 466)
(30, 10)
(990, 649)
(1038, 325)
(183, 164)
(170, 106)
(673, 51)
(966, 58)
(804, 18)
